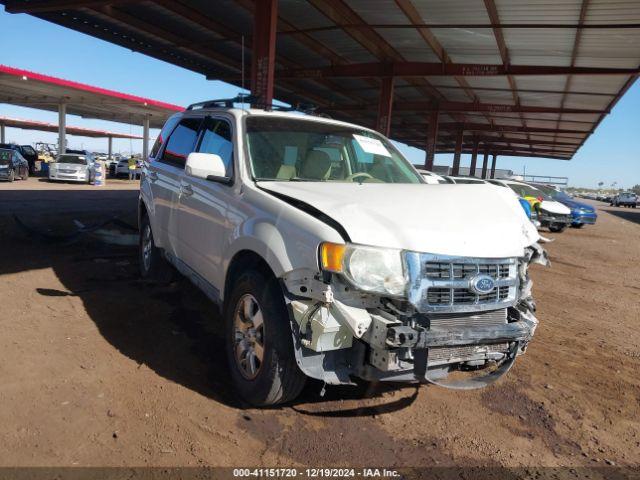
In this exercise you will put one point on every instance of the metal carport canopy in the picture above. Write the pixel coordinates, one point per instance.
(52, 127)
(502, 77)
(35, 90)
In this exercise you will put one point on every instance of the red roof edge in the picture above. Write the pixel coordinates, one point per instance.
(17, 72)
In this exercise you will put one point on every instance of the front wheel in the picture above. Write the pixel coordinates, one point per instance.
(577, 225)
(153, 265)
(556, 227)
(12, 175)
(259, 344)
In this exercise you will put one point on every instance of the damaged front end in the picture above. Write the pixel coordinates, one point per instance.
(452, 314)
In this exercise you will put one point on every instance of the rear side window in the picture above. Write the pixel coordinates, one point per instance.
(216, 138)
(181, 142)
(164, 133)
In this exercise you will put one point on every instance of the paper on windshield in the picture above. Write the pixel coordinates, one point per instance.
(371, 145)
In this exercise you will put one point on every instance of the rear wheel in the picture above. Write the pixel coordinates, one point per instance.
(12, 175)
(259, 344)
(153, 265)
(26, 174)
(577, 225)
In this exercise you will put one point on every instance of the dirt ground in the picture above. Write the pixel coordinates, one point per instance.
(99, 369)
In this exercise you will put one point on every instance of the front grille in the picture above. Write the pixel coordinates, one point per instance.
(445, 355)
(445, 284)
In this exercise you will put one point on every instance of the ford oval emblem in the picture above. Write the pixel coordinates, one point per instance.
(482, 284)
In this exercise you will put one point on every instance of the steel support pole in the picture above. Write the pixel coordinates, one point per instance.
(110, 147)
(385, 106)
(2, 138)
(493, 166)
(455, 171)
(145, 138)
(432, 139)
(264, 51)
(485, 162)
(62, 128)
(474, 157)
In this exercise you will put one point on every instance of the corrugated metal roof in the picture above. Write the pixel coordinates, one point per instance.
(521, 100)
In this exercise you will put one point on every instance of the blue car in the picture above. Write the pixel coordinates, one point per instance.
(581, 213)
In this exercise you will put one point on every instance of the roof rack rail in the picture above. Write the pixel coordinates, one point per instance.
(247, 98)
(222, 102)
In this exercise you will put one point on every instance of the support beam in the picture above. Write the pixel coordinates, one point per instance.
(62, 128)
(432, 139)
(433, 69)
(448, 106)
(456, 157)
(474, 157)
(110, 147)
(385, 106)
(485, 127)
(493, 166)
(264, 51)
(145, 138)
(2, 137)
(485, 163)
(43, 6)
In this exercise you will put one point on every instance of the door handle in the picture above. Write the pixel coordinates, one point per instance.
(153, 176)
(186, 190)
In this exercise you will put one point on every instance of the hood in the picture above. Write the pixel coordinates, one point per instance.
(573, 204)
(459, 220)
(71, 166)
(552, 206)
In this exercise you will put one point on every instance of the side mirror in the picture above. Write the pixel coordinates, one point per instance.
(207, 166)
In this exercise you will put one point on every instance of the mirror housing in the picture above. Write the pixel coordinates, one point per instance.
(207, 166)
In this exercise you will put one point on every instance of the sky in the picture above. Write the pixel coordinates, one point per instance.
(29, 43)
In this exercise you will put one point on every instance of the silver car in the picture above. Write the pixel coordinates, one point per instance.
(72, 167)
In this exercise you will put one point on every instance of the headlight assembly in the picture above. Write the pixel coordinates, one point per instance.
(370, 269)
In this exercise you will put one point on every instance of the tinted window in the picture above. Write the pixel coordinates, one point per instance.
(181, 142)
(28, 150)
(216, 138)
(164, 133)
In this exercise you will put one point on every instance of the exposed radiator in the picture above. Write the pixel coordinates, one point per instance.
(468, 320)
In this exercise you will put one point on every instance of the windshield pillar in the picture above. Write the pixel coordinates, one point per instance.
(493, 166)
(458, 152)
(485, 162)
(474, 157)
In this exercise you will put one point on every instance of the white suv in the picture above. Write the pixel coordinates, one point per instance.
(331, 257)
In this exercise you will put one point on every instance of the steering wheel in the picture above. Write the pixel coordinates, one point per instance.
(358, 174)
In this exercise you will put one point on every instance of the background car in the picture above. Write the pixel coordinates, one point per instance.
(72, 167)
(625, 199)
(581, 213)
(431, 178)
(13, 165)
(27, 152)
(122, 167)
(550, 213)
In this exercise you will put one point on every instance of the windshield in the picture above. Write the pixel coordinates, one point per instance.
(290, 149)
(72, 159)
(528, 191)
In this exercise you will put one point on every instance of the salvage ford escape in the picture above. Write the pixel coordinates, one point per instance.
(331, 257)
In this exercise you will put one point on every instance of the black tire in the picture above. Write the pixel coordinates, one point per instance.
(278, 378)
(556, 228)
(26, 174)
(577, 225)
(153, 267)
(12, 175)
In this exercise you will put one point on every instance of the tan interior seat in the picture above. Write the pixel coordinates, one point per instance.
(286, 172)
(316, 166)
